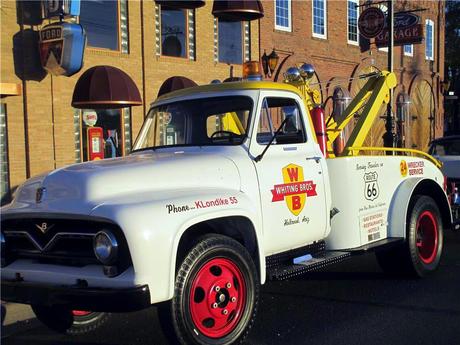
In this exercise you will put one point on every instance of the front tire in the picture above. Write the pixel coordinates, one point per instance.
(63, 320)
(216, 295)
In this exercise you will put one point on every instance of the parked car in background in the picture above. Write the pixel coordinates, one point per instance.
(447, 150)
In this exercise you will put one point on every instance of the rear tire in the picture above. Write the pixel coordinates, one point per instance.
(421, 253)
(216, 295)
(63, 320)
(425, 236)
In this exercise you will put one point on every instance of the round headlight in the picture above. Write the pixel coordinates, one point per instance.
(105, 247)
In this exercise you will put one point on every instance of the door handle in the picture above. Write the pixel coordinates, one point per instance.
(317, 159)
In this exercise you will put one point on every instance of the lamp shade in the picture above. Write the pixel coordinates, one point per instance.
(105, 87)
(234, 10)
(175, 83)
(190, 4)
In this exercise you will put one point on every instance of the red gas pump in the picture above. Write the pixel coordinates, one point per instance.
(95, 137)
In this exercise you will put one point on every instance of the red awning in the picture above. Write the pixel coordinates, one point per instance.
(105, 87)
(190, 4)
(175, 83)
(238, 10)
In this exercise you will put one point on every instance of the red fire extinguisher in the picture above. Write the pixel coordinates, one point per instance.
(317, 116)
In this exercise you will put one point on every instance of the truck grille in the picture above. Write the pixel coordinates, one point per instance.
(55, 240)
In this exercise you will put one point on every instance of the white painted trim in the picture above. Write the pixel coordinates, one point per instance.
(355, 43)
(431, 23)
(284, 28)
(384, 8)
(313, 21)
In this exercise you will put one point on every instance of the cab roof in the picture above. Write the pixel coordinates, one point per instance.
(231, 86)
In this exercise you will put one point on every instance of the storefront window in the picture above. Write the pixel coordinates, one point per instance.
(173, 32)
(100, 18)
(105, 133)
(230, 42)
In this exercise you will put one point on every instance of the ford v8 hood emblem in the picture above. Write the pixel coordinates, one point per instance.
(40, 195)
(44, 227)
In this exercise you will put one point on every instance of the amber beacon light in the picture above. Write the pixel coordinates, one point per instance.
(251, 71)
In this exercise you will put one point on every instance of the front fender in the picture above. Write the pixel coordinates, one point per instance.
(153, 229)
(399, 208)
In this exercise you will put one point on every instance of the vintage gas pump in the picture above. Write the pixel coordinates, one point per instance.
(95, 142)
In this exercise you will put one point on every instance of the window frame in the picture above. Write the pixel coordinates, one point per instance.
(356, 43)
(264, 102)
(187, 43)
(316, 35)
(280, 27)
(6, 178)
(84, 155)
(118, 50)
(429, 22)
(411, 53)
(243, 50)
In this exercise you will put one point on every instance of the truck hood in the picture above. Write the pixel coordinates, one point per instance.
(81, 187)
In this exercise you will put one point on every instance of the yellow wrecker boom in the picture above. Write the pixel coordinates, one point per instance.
(367, 104)
(369, 99)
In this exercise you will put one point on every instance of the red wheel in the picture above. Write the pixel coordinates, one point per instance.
(217, 298)
(80, 313)
(427, 237)
(422, 251)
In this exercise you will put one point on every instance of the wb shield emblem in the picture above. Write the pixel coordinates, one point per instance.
(294, 190)
(371, 186)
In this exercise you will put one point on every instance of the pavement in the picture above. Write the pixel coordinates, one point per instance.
(349, 303)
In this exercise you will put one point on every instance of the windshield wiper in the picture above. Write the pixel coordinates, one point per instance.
(259, 157)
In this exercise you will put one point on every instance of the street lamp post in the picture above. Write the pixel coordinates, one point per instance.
(389, 136)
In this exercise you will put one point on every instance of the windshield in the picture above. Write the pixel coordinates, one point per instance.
(446, 148)
(199, 122)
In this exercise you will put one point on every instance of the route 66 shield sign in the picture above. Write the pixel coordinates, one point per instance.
(371, 186)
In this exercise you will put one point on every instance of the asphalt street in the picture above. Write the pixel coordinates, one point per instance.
(350, 303)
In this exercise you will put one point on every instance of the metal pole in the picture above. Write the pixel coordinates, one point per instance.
(389, 136)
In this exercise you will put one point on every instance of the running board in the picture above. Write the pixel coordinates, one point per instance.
(382, 244)
(306, 264)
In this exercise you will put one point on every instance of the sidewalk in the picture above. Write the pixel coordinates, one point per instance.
(18, 318)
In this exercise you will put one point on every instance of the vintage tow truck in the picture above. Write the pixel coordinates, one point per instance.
(228, 185)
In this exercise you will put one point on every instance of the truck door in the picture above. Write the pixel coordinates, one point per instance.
(290, 176)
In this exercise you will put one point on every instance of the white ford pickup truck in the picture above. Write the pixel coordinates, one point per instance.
(226, 187)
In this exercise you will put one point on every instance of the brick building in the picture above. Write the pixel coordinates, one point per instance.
(324, 33)
(40, 131)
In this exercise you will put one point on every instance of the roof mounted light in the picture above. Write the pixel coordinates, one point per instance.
(251, 71)
(292, 74)
(307, 71)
